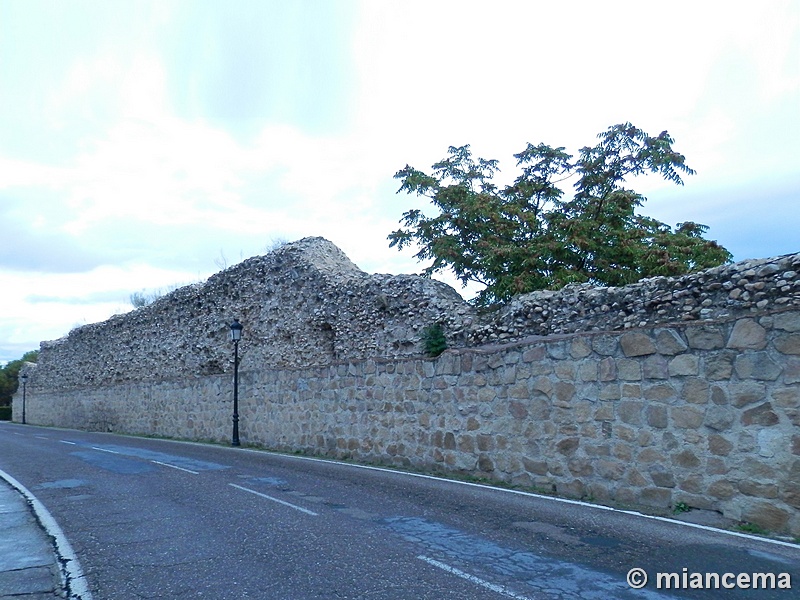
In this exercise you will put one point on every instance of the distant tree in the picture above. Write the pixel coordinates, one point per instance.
(143, 298)
(275, 243)
(529, 236)
(140, 299)
(9, 376)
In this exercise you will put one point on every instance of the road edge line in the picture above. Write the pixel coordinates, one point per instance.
(71, 571)
(634, 513)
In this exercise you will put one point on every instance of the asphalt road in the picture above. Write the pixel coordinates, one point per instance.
(160, 519)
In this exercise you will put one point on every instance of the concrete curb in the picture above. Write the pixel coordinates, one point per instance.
(73, 581)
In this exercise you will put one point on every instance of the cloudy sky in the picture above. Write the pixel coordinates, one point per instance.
(148, 144)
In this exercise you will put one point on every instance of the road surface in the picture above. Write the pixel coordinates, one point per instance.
(160, 519)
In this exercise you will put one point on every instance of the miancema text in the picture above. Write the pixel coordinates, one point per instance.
(713, 581)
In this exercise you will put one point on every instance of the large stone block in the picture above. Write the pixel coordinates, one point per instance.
(655, 367)
(722, 490)
(788, 343)
(612, 470)
(746, 392)
(607, 369)
(790, 489)
(660, 392)
(657, 416)
(719, 365)
(684, 365)
(719, 445)
(564, 392)
(757, 365)
(791, 371)
(687, 417)
(568, 446)
(652, 455)
(662, 477)
(587, 371)
(720, 418)
(629, 369)
(705, 337)
(669, 342)
(766, 515)
(686, 459)
(580, 348)
(747, 335)
(787, 321)
(537, 467)
(656, 497)
(637, 344)
(696, 391)
(605, 345)
(630, 412)
(760, 415)
(787, 397)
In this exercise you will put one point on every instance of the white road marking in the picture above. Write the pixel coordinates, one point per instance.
(294, 506)
(500, 490)
(158, 462)
(70, 443)
(103, 450)
(472, 578)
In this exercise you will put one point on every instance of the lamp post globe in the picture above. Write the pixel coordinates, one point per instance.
(24, 379)
(236, 335)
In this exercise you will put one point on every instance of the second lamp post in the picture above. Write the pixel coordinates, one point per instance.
(24, 378)
(236, 335)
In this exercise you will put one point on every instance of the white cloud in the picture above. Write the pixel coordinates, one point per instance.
(136, 179)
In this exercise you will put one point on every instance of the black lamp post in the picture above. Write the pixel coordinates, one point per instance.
(236, 335)
(24, 378)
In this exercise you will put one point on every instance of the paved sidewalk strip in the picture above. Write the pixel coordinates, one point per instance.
(28, 563)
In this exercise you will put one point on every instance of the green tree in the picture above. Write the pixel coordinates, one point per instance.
(529, 235)
(9, 376)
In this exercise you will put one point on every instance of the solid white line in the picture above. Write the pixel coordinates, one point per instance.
(103, 450)
(477, 580)
(294, 506)
(71, 571)
(158, 462)
(534, 495)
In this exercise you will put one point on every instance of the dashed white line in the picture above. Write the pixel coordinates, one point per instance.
(103, 450)
(290, 505)
(70, 443)
(472, 578)
(158, 462)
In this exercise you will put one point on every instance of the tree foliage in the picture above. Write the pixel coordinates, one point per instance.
(9, 376)
(529, 235)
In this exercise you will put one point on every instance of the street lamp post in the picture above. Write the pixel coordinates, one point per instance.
(24, 378)
(236, 335)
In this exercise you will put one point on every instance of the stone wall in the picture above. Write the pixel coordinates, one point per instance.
(308, 304)
(736, 289)
(702, 413)
(667, 391)
(304, 304)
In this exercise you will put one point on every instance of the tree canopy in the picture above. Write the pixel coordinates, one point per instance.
(9, 376)
(530, 235)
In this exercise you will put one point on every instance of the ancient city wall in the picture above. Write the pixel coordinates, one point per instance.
(701, 407)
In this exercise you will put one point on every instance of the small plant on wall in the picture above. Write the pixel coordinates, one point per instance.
(433, 340)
